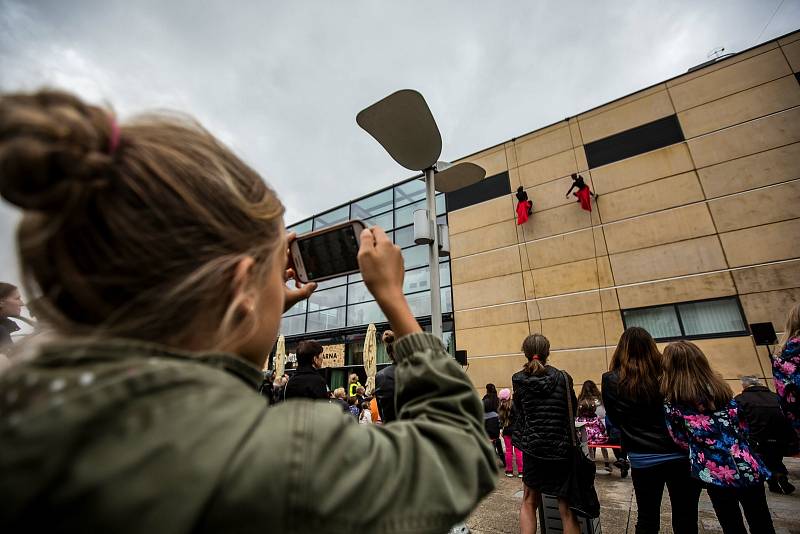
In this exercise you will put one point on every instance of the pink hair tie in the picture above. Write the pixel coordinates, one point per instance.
(113, 141)
(536, 357)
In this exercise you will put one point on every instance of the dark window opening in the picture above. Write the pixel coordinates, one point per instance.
(487, 189)
(644, 138)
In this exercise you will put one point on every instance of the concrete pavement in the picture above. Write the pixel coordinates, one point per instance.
(499, 512)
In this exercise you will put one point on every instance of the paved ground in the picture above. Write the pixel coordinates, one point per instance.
(499, 512)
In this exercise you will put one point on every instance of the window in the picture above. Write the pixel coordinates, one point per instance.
(405, 215)
(333, 282)
(444, 274)
(385, 221)
(325, 320)
(487, 189)
(332, 217)
(416, 256)
(690, 320)
(446, 300)
(409, 192)
(420, 303)
(293, 325)
(298, 308)
(301, 228)
(357, 293)
(644, 138)
(711, 317)
(373, 205)
(330, 298)
(366, 313)
(404, 237)
(416, 280)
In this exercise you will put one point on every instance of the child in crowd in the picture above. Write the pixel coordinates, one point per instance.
(353, 407)
(507, 415)
(491, 421)
(161, 262)
(366, 415)
(704, 418)
(592, 414)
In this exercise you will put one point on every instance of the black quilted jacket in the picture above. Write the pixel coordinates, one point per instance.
(542, 426)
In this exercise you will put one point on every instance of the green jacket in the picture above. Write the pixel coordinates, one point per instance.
(126, 436)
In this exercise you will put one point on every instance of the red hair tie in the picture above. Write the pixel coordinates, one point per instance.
(536, 357)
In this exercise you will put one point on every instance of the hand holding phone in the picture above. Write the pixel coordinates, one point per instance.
(301, 291)
(381, 265)
(327, 253)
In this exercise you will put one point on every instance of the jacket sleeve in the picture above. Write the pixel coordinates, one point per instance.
(676, 426)
(519, 414)
(424, 472)
(610, 401)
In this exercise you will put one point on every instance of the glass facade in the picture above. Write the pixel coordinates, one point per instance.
(345, 303)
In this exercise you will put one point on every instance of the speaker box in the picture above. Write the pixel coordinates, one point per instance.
(764, 333)
(461, 357)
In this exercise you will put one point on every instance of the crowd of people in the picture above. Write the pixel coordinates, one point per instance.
(159, 263)
(671, 420)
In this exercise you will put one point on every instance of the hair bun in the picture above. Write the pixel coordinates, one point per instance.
(388, 337)
(53, 149)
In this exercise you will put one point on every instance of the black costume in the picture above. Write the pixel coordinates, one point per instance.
(524, 206)
(583, 194)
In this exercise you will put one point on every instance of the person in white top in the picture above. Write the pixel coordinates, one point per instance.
(366, 415)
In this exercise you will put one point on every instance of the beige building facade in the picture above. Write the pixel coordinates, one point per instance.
(694, 229)
(695, 234)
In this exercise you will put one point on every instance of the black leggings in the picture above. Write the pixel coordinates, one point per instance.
(498, 448)
(726, 503)
(684, 495)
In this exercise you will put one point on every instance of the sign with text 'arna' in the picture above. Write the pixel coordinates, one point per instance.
(333, 355)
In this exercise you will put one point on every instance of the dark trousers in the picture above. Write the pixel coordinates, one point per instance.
(772, 455)
(753, 500)
(684, 495)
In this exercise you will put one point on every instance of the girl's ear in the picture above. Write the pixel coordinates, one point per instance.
(242, 278)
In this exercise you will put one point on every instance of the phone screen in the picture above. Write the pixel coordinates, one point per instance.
(329, 253)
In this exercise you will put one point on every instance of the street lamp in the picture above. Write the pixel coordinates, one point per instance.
(404, 126)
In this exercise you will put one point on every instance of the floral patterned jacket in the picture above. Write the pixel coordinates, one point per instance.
(786, 371)
(717, 445)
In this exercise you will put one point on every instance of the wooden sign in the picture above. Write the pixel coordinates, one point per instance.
(333, 355)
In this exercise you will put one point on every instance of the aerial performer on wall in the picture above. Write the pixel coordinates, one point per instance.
(584, 194)
(524, 206)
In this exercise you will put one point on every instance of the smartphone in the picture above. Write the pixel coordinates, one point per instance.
(327, 253)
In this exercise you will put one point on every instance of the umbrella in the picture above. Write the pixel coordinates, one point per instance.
(280, 356)
(370, 355)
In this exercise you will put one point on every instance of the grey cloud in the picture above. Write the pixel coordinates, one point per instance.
(282, 81)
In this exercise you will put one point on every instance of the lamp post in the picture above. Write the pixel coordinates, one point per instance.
(404, 126)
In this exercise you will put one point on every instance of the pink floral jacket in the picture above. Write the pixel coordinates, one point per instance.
(717, 443)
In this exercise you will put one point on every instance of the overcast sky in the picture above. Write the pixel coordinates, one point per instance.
(281, 82)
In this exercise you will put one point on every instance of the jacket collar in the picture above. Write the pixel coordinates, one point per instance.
(756, 388)
(73, 351)
(9, 325)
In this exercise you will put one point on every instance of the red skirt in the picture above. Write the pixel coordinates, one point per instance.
(522, 212)
(585, 198)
